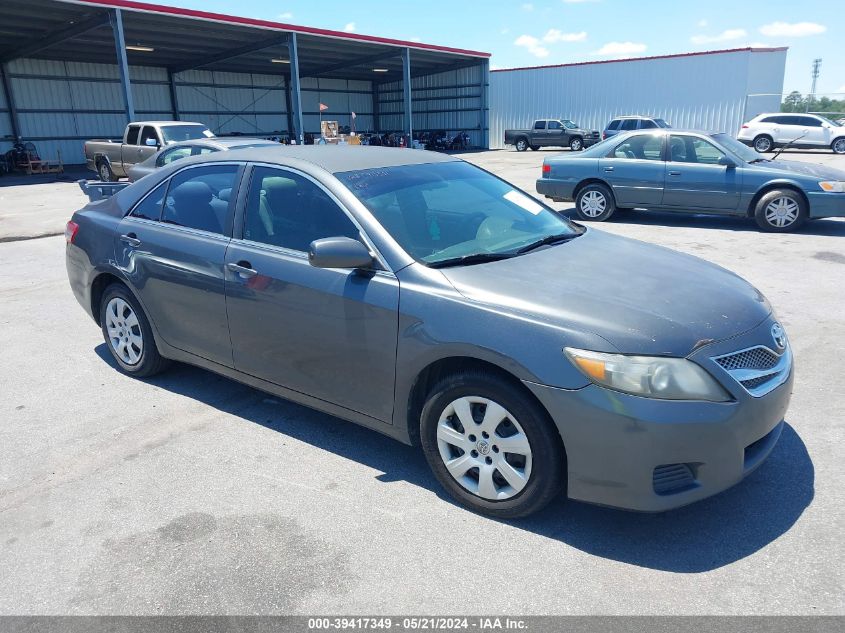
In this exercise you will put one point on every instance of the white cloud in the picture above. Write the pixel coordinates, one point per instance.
(287, 15)
(554, 35)
(532, 45)
(527, 7)
(350, 27)
(702, 24)
(841, 89)
(620, 48)
(796, 29)
(724, 36)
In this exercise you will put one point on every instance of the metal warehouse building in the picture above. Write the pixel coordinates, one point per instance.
(716, 90)
(79, 69)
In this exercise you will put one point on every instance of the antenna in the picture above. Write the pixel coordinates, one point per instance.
(812, 96)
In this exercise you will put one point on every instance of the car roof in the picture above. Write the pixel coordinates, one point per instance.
(334, 158)
(167, 123)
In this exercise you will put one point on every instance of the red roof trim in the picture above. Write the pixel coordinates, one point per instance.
(267, 24)
(638, 59)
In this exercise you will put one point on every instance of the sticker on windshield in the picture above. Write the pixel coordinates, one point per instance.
(523, 201)
(208, 133)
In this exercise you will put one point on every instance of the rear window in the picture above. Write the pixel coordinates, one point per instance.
(613, 124)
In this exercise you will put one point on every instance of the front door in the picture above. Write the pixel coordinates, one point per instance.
(327, 333)
(636, 170)
(172, 247)
(696, 181)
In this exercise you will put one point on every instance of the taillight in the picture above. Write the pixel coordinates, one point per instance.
(70, 231)
(744, 127)
(603, 135)
(547, 169)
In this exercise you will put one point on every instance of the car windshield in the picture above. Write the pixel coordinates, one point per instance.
(730, 143)
(176, 133)
(444, 211)
(661, 123)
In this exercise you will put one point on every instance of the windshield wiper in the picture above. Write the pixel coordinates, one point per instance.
(795, 140)
(473, 258)
(760, 160)
(549, 239)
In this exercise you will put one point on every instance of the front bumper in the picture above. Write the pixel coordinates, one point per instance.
(825, 204)
(591, 140)
(623, 449)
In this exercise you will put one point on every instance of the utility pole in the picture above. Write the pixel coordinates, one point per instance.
(812, 96)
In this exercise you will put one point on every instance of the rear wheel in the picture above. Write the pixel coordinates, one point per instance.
(534, 148)
(595, 202)
(521, 145)
(127, 333)
(780, 211)
(763, 143)
(576, 144)
(490, 446)
(105, 172)
(838, 146)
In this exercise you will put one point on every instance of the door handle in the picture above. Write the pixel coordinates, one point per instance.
(608, 168)
(243, 269)
(674, 173)
(131, 239)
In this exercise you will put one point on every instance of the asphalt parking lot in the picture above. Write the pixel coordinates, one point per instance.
(189, 493)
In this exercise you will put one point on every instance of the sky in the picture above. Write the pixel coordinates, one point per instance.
(560, 31)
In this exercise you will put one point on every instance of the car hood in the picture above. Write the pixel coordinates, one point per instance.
(641, 298)
(805, 169)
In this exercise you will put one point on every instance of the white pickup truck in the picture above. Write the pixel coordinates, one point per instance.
(112, 159)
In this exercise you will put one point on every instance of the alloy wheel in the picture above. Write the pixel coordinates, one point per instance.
(782, 212)
(124, 331)
(762, 144)
(104, 172)
(575, 145)
(521, 145)
(484, 448)
(839, 146)
(593, 204)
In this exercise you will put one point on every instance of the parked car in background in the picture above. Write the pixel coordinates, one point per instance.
(841, 121)
(765, 132)
(113, 159)
(552, 133)
(313, 273)
(692, 172)
(197, 147)
(631, 123)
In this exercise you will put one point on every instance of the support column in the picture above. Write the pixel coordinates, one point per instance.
(174, 99)
(484, 119)
(288, 107)
(116, 19)
(296, 94)
(10, 101)
(406, 90)
(376, 115)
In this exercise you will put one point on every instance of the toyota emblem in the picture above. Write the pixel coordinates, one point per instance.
(779, 336)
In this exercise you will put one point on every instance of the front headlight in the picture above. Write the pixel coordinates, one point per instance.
(834, 186)
(649, 376)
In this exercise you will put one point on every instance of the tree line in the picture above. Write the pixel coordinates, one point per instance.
(796, 102)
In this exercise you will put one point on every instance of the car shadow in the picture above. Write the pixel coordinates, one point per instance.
(821, 227)
(71, 173)
(704, 536)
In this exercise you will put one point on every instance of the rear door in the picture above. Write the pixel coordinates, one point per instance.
(172, 247)
(636, 170)
(327, 333)
(694, 178)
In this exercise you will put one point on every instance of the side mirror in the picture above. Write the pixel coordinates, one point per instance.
(727, 162)
(151, 142)
(339, 252)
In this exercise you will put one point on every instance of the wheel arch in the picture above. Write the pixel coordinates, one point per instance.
(592, 181)
(772, 186)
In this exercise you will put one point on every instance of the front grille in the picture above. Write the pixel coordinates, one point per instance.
(670, 479)
(754, 358)
(753, 383)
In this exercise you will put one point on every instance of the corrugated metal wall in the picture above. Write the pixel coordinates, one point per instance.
(450, 101)
(699, 91)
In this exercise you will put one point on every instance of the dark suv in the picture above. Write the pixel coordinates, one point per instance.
(631, 123)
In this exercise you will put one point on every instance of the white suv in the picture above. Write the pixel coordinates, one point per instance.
(766, 131)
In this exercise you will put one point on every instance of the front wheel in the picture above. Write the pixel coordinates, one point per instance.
(780, 211)
(838, 146)
(595, 202)
(490, 446)
(127, 333)
(576, 144)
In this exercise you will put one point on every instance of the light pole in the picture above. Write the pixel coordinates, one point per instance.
(811, 97)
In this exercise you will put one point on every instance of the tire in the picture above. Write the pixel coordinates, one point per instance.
(521, 144)
(763, 143)
(128, 335)
(595, 203)
(576, 144)
(838, 145)
(539, 475)
(105, 172)
(781, 211)
(534, 148)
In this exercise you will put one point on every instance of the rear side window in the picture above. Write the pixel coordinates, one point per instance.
(150, 207)
(613, 124)
(628, 124)
(539, 125)
(198, 198)
(132, 134)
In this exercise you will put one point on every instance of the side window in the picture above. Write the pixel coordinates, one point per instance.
(147, 134)
(641, 147)
(288, 210)
(132, 134)
(689, 149)
(539, 125)
(150, 207)
(613, 125)
(791, 120)
(809, 121)
(647, 124)
(554, 125)
(198, 197)
(167, 157)
(628, 124)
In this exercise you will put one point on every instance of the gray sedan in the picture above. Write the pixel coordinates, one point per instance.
(196, 147)
(422, 297)
(692, 172)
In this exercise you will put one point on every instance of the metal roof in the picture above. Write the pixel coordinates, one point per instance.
(78, 30)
